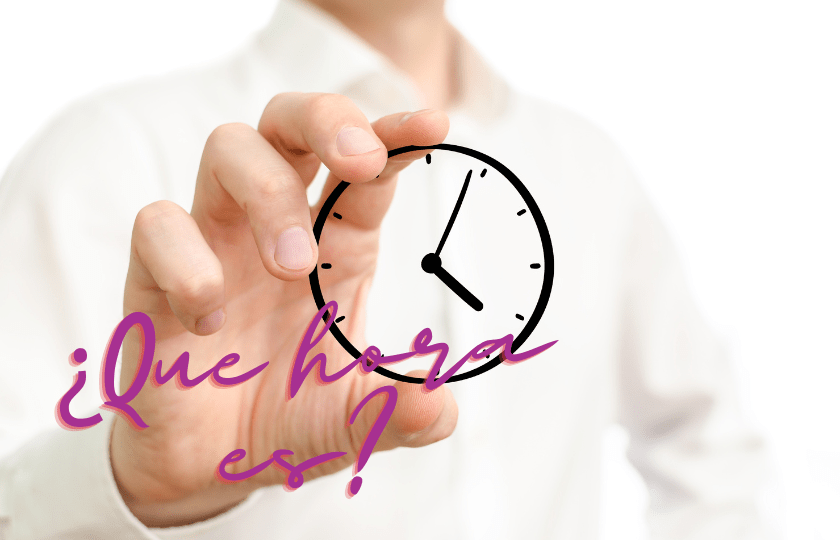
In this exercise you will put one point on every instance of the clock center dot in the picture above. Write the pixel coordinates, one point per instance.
(430, 263)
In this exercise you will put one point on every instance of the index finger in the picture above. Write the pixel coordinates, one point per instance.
(365, 204)
(308, 129)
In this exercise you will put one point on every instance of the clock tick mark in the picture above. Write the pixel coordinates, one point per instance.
(326, 266)
(520, 317)
(338, 320)
(336, 215)
(520, 212)
(535, 265)
(483, 173)
(428, 158)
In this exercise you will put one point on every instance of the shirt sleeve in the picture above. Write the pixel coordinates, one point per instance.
(67, 207)
(702, 466)
(60, 485)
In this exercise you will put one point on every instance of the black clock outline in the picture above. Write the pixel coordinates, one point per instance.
(545, 239)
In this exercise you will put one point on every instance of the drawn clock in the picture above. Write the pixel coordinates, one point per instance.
(434, 261)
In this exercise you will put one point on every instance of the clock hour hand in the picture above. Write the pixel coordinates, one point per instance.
(431, 265)
(454, 213)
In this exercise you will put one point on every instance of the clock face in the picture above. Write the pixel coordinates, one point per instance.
(491, 257)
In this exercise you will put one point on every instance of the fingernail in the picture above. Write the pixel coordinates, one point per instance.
(410, 115)
(352, 141)
(210, 323)
(293, 249)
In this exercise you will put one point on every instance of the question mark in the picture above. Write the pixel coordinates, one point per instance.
(373, 435)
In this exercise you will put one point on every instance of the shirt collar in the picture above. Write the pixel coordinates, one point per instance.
(314, 52)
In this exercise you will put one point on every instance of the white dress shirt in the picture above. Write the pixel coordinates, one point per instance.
(524, 460)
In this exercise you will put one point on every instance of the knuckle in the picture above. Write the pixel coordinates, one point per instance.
(198, 287)
(226, 134)
(278, 100)
(266, 185)
(273, 110)
(153, 216)
(320, 105)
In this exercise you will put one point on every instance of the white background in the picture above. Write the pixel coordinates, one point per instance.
(729, 111)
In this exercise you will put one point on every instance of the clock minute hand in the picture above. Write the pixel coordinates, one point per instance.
(454, 214)
(431, 265)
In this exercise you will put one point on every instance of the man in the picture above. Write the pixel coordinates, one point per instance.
(230, 277)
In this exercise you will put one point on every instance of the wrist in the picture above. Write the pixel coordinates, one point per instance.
(153, 499)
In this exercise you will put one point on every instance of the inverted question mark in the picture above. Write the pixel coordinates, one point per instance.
(373, 435)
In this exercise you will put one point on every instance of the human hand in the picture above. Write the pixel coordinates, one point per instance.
(230, 276)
